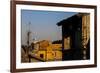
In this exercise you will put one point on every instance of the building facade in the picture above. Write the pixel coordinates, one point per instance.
(75, 37)
(47, 51)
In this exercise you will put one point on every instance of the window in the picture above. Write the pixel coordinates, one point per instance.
(41, 55)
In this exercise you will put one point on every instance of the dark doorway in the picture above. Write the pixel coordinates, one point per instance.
(41, 55)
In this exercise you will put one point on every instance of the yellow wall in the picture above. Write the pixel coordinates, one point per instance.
(85, 29)
(41, 52)
(67, 43)
(54, 55)
(58, 55)
(43, 44)
(56, 46)
(50, 51)
(50, 56)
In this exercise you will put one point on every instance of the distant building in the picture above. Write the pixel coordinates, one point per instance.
(47, 51)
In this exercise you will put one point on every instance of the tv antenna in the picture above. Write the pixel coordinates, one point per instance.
(28, 34)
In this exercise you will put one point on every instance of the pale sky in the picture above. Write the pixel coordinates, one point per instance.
(43, 24)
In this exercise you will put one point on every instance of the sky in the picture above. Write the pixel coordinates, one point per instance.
(42, 24)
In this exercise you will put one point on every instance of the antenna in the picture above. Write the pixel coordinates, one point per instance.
(28, 34)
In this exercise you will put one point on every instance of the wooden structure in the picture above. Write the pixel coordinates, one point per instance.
(75, 36)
